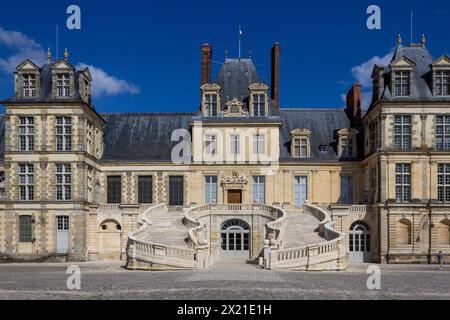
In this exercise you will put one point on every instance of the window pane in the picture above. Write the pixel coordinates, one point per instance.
(145, 189)
(176, 191)
(114, 190)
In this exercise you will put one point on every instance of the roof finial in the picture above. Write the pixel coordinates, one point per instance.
(399, 40)
(423, 41)
(226, 49)
(66, 54)
(250, 52)
(49, 55)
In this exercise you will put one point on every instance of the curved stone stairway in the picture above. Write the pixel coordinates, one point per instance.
(168, 229)
(301, 230)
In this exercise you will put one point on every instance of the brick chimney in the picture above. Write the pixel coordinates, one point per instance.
(206, 63)
(275, 78)
(354, 105)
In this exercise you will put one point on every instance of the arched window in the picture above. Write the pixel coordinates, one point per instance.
(404, 234)
(235, 235)
(443, 230)
(359, 242)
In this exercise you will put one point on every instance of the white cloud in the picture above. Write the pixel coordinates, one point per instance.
(363, 75)
(105, 84)
(22, 48)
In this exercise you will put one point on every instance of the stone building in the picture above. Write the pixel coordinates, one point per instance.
(320, 187)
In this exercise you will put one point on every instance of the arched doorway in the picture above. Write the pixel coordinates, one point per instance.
(359, 242)
(110, 240)
(235, 237)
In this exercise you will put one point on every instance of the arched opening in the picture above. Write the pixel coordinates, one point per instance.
(235, 239)
(404, 234)
(110, 240)
(359, 242)
(443, 231)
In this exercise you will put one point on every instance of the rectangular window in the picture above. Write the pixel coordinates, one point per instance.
(442, 83)
(145, 190)
(29, 85)
(373, 137)
(25, 229)
(63, 134)
(210, 189)
(346, 147)
(444, 183)
(443, 132)
(259, 189)
(259, 144)
(346, 190)
(300, 191)
(26, 182)
(62, 223)
(259, 105)
(235, 147)
(211, 105)
(26, 133)
(403, 183)
(114, 190)
(402, 132)
(211, 144)
(63, 182)
(300, 148)
(63, 85)
(402, 80)
(176, 191)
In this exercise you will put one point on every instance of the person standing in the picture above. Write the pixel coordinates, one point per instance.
(440, 259)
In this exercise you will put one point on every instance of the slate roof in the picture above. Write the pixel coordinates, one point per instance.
(142, 137)
(46, 89)
(235, 77)
(323, 124)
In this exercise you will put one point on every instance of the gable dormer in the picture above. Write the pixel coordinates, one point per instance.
(210, 100)
(63, 80)
(259, 103)
(402, 70)
(347, 143)
(85, 85)
(441, 76)
(27, 80)
(378, 82)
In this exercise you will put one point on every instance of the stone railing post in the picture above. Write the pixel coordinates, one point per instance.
(267, 255)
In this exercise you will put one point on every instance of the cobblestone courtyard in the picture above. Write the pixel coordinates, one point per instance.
(224, 281)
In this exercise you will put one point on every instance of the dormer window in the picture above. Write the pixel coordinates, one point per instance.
(210, 102)
(442, 79)
(347, 143)
(301, 144)
(258, 100)
(29, 85)
(63, 85)
(402, 80)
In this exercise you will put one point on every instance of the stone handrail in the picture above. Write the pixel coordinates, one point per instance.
(276, 229)
(322, 256)
(157, 253)
(196, 231)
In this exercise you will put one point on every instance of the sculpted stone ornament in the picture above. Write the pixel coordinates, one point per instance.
(234, 179)
(235, 108)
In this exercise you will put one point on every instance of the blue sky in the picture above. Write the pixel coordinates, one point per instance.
(142, 50)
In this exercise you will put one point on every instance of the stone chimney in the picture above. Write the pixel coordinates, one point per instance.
(354, 105)
(275, 78)
(206, 63)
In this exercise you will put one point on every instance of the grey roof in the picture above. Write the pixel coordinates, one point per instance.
(2, 138)
(235, 78)
(46, 88)
(142, 137)
(323, 124)
(422, 77)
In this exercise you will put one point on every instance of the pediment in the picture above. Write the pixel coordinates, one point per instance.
(300, 132)
(62, 65)
(403, 62)
(87, 74)
(27, 65)
(347, 132)
(443, 61)
(258, 86)
(210, 87)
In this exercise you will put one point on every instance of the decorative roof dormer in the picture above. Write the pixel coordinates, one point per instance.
(347, 146)
(63, 78)
(210, 100)
(258, 106)
(84, 85)
(402, 70)
(441, 76)
(301, 143)
(235, 109)
(27, 80)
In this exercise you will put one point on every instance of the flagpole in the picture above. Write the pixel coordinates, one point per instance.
(240, 34)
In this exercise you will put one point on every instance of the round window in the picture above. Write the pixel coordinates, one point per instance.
(104, 227)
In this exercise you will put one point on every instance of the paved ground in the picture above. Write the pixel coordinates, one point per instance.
(225, 281)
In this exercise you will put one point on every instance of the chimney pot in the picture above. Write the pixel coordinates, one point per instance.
(275, 78)
(206, 50)
(354, 100)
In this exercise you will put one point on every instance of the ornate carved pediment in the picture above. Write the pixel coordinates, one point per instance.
(234, 108)
(300, 132)
(258, 87)
(210, 87)
(235, 179)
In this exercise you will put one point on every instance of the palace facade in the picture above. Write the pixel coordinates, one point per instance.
(169, 189)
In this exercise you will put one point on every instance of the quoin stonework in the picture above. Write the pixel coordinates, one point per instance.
(301, 189)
